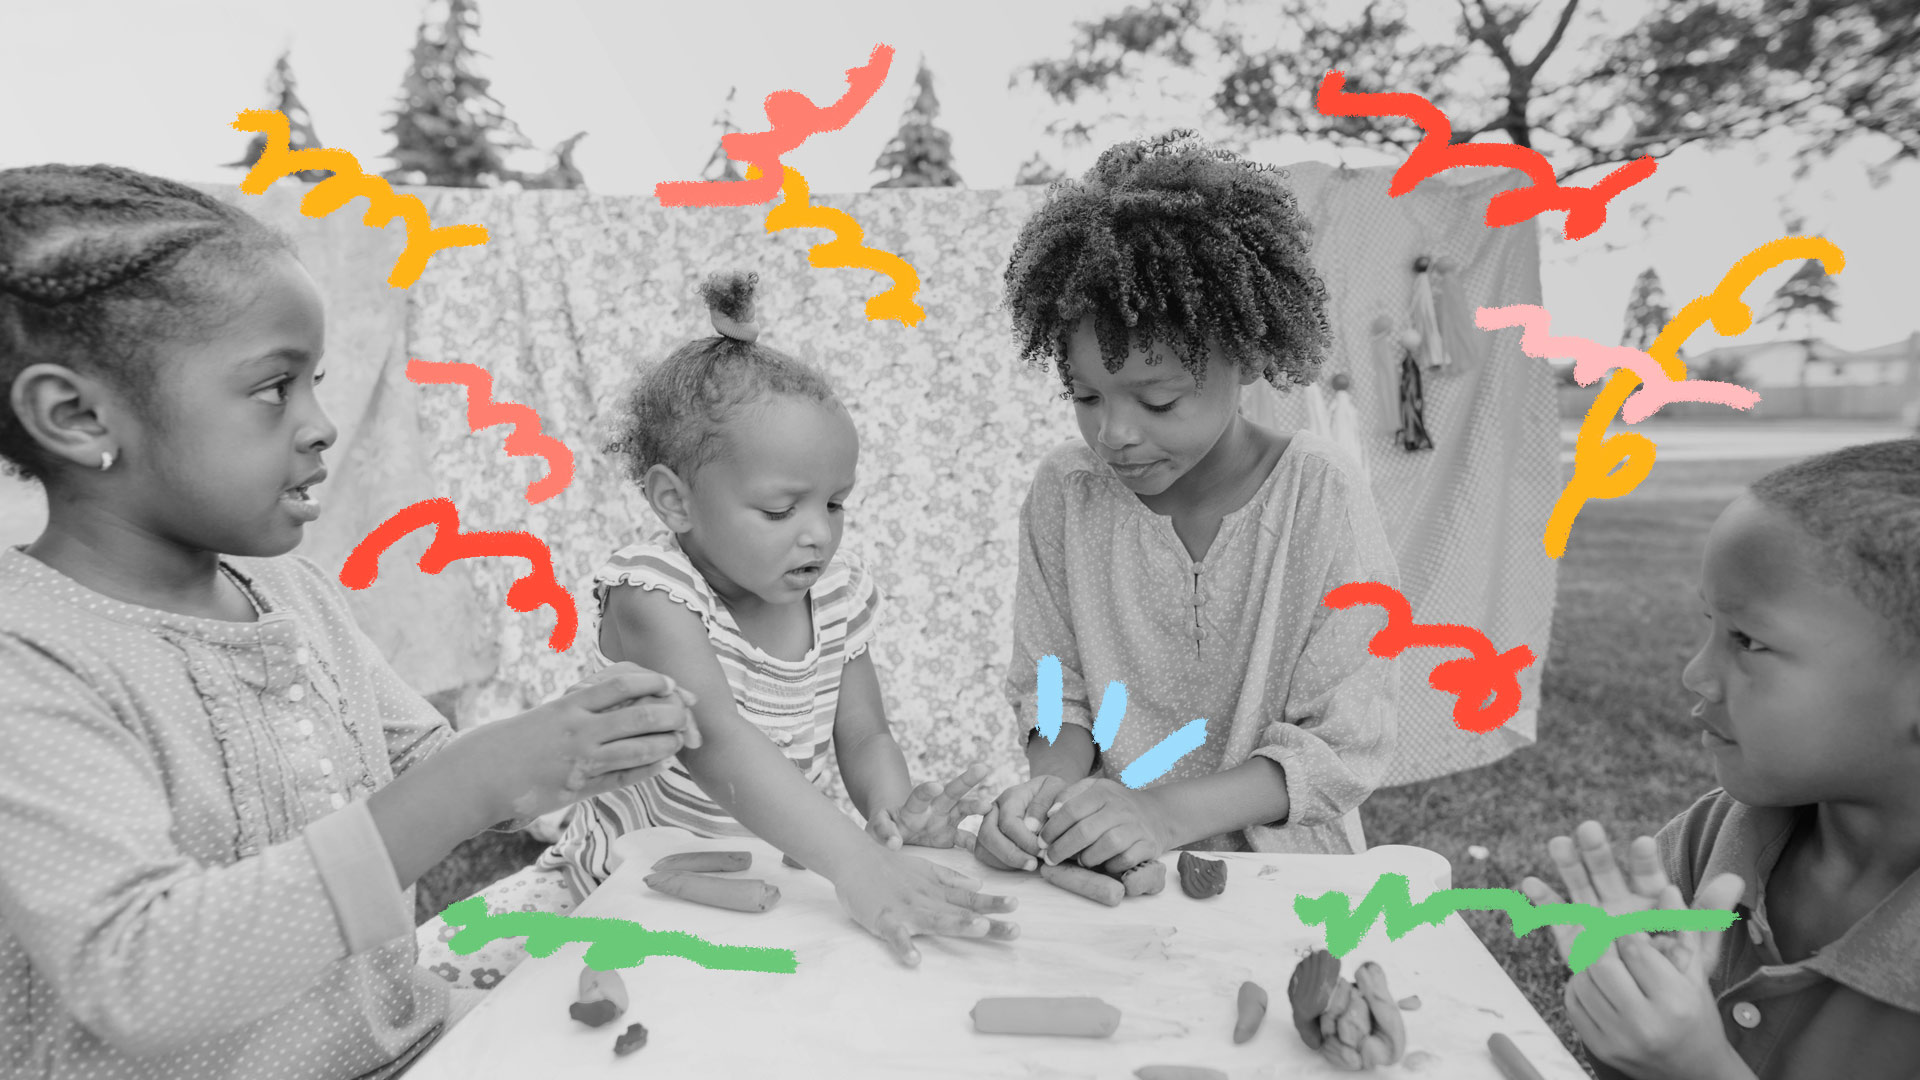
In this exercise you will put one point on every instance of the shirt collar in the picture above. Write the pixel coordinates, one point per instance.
(1875, 956)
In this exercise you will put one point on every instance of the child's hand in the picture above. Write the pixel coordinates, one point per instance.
(609, 732)
(691, 738)
(1650, 1012)
(1591, 876)
(931, 815)
(896, 896)
(1106, 825)
(1006, 841)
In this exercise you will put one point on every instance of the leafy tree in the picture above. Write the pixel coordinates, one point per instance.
(1689, 71)
(719, 166)
(1647, 312)
(1036, 170)
(301, 136)
(1808, 293)
(919, 154)
(447, 129)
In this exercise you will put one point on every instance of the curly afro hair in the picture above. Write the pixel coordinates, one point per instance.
(1861, 506)
(1172, 240)
(98, 265)
(678, 411)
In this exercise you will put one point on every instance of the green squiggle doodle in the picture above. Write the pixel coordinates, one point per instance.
(616, 943)
(1347, 924)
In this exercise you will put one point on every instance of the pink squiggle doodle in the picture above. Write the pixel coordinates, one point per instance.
(1592, 360)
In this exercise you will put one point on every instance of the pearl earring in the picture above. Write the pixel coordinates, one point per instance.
(106, 460)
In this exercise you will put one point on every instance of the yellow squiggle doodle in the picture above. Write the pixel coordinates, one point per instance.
(795, 210)
(1607, 468)
(347, 183)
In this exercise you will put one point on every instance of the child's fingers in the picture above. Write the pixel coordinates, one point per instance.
(1573, 872)
(1016, 831)
(630, 753)
(1719, 894)
(945, 798)
(996, 850)
(1597, 852)
(1083, 834)
(612, 688)
(885, 829)
(1658, 977)
(1111, 847)
(1583, 1023)
(894, 930)
(1070, 793)
(1643, 863)
(1542, 894)
(1138, 852)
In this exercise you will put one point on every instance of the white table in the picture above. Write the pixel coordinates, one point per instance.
(1171, 964)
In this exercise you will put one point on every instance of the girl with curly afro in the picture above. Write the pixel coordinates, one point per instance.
(1181, 550)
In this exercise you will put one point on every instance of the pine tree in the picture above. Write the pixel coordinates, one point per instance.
(1036, 170)
(562, 174)
(719, 166)
(1647, 311)
(301, 136)
(447, 129)
(1809, 292)
(919, 154)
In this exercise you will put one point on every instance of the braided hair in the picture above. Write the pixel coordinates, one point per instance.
(1172, 240)
(98, 265)
(677, 413)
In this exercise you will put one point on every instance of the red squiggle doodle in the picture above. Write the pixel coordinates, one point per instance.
(1586, 207)
(484, 412)
(793, 117)
(1470, 678)
(538, 588)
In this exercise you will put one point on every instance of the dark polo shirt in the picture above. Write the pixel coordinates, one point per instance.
(1851, 1010)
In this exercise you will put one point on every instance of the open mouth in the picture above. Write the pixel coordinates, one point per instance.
(808, 572)
(299, 498)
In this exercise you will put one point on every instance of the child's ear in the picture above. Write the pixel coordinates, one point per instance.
(65, 412)
(668, 495)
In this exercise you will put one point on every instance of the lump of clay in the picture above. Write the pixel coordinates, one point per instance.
(630, 1040)
(707, 861)
(1085, 1017)
(603, 997)
(1309, 991)
(1201, 878)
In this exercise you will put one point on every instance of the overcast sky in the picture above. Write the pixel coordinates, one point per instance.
(155, 85)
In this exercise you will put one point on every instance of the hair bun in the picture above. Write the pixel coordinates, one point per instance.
(729, 298)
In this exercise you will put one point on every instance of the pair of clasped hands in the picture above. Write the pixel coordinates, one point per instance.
(1646, 1006)
(622, 724)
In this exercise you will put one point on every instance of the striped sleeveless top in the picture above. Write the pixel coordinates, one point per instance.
(792, 702)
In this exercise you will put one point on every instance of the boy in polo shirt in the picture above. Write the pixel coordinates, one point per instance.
(1809, 687)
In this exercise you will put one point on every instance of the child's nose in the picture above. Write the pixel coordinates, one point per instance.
(318, 432)
(1700, 674)
(1116, 433)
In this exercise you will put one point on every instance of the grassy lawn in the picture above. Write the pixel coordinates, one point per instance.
(1615, 744)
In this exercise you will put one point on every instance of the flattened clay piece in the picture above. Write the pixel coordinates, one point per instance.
(788, 860)
(630, 1040)
(594, 1013)
(1085, 1017)
(707, 861)
(1081, 881)
(1310, 990)
(735, 894)
(1410, 1003)
(1146, 879)
(1252, 1009)
(1178, 1072)
(1201, 878)
(602, 986)
(1370, 979)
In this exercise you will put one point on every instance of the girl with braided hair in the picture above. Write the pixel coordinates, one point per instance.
(216, 795)
(1182, 550)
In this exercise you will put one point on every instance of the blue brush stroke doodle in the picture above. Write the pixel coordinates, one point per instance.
(1050, 692)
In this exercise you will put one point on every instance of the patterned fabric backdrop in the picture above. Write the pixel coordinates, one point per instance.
(574, 290)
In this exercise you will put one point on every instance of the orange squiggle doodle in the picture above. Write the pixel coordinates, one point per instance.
(793, 117)
(1470, 679)
(348, 182)
(1607, 468)
(537, 589)
(848, 248)
(484, 412)
(1586, 207)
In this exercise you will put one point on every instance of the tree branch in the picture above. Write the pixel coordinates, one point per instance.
(1553, 42)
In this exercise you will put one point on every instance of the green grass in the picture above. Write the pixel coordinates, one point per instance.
(1614, 742)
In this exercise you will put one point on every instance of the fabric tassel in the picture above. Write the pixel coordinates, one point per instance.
(1344, 423)
(1462, 341)
(1319, 418)
(1413, 404)
(1424, 316)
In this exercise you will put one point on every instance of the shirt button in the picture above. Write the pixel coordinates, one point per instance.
(326, 767)
(338, 800)
(1746, 1014)
(302, 655)
(296, 692)
(305, 727)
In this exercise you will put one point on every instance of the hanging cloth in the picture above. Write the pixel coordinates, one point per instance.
(1424, 317)
(1344, 426)
(1413, 403)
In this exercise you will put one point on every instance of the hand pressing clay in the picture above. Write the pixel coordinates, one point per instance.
(707, 861)
(630, 1040)
(1178, 1072)
(1081, 881)
(1146, 879)
(1201, 878)
(1251, 1010)
(1084, 1017)
(735, 894)
(603, 997)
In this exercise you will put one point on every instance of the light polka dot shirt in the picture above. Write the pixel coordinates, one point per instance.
(1238, 639)
(190, 883)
